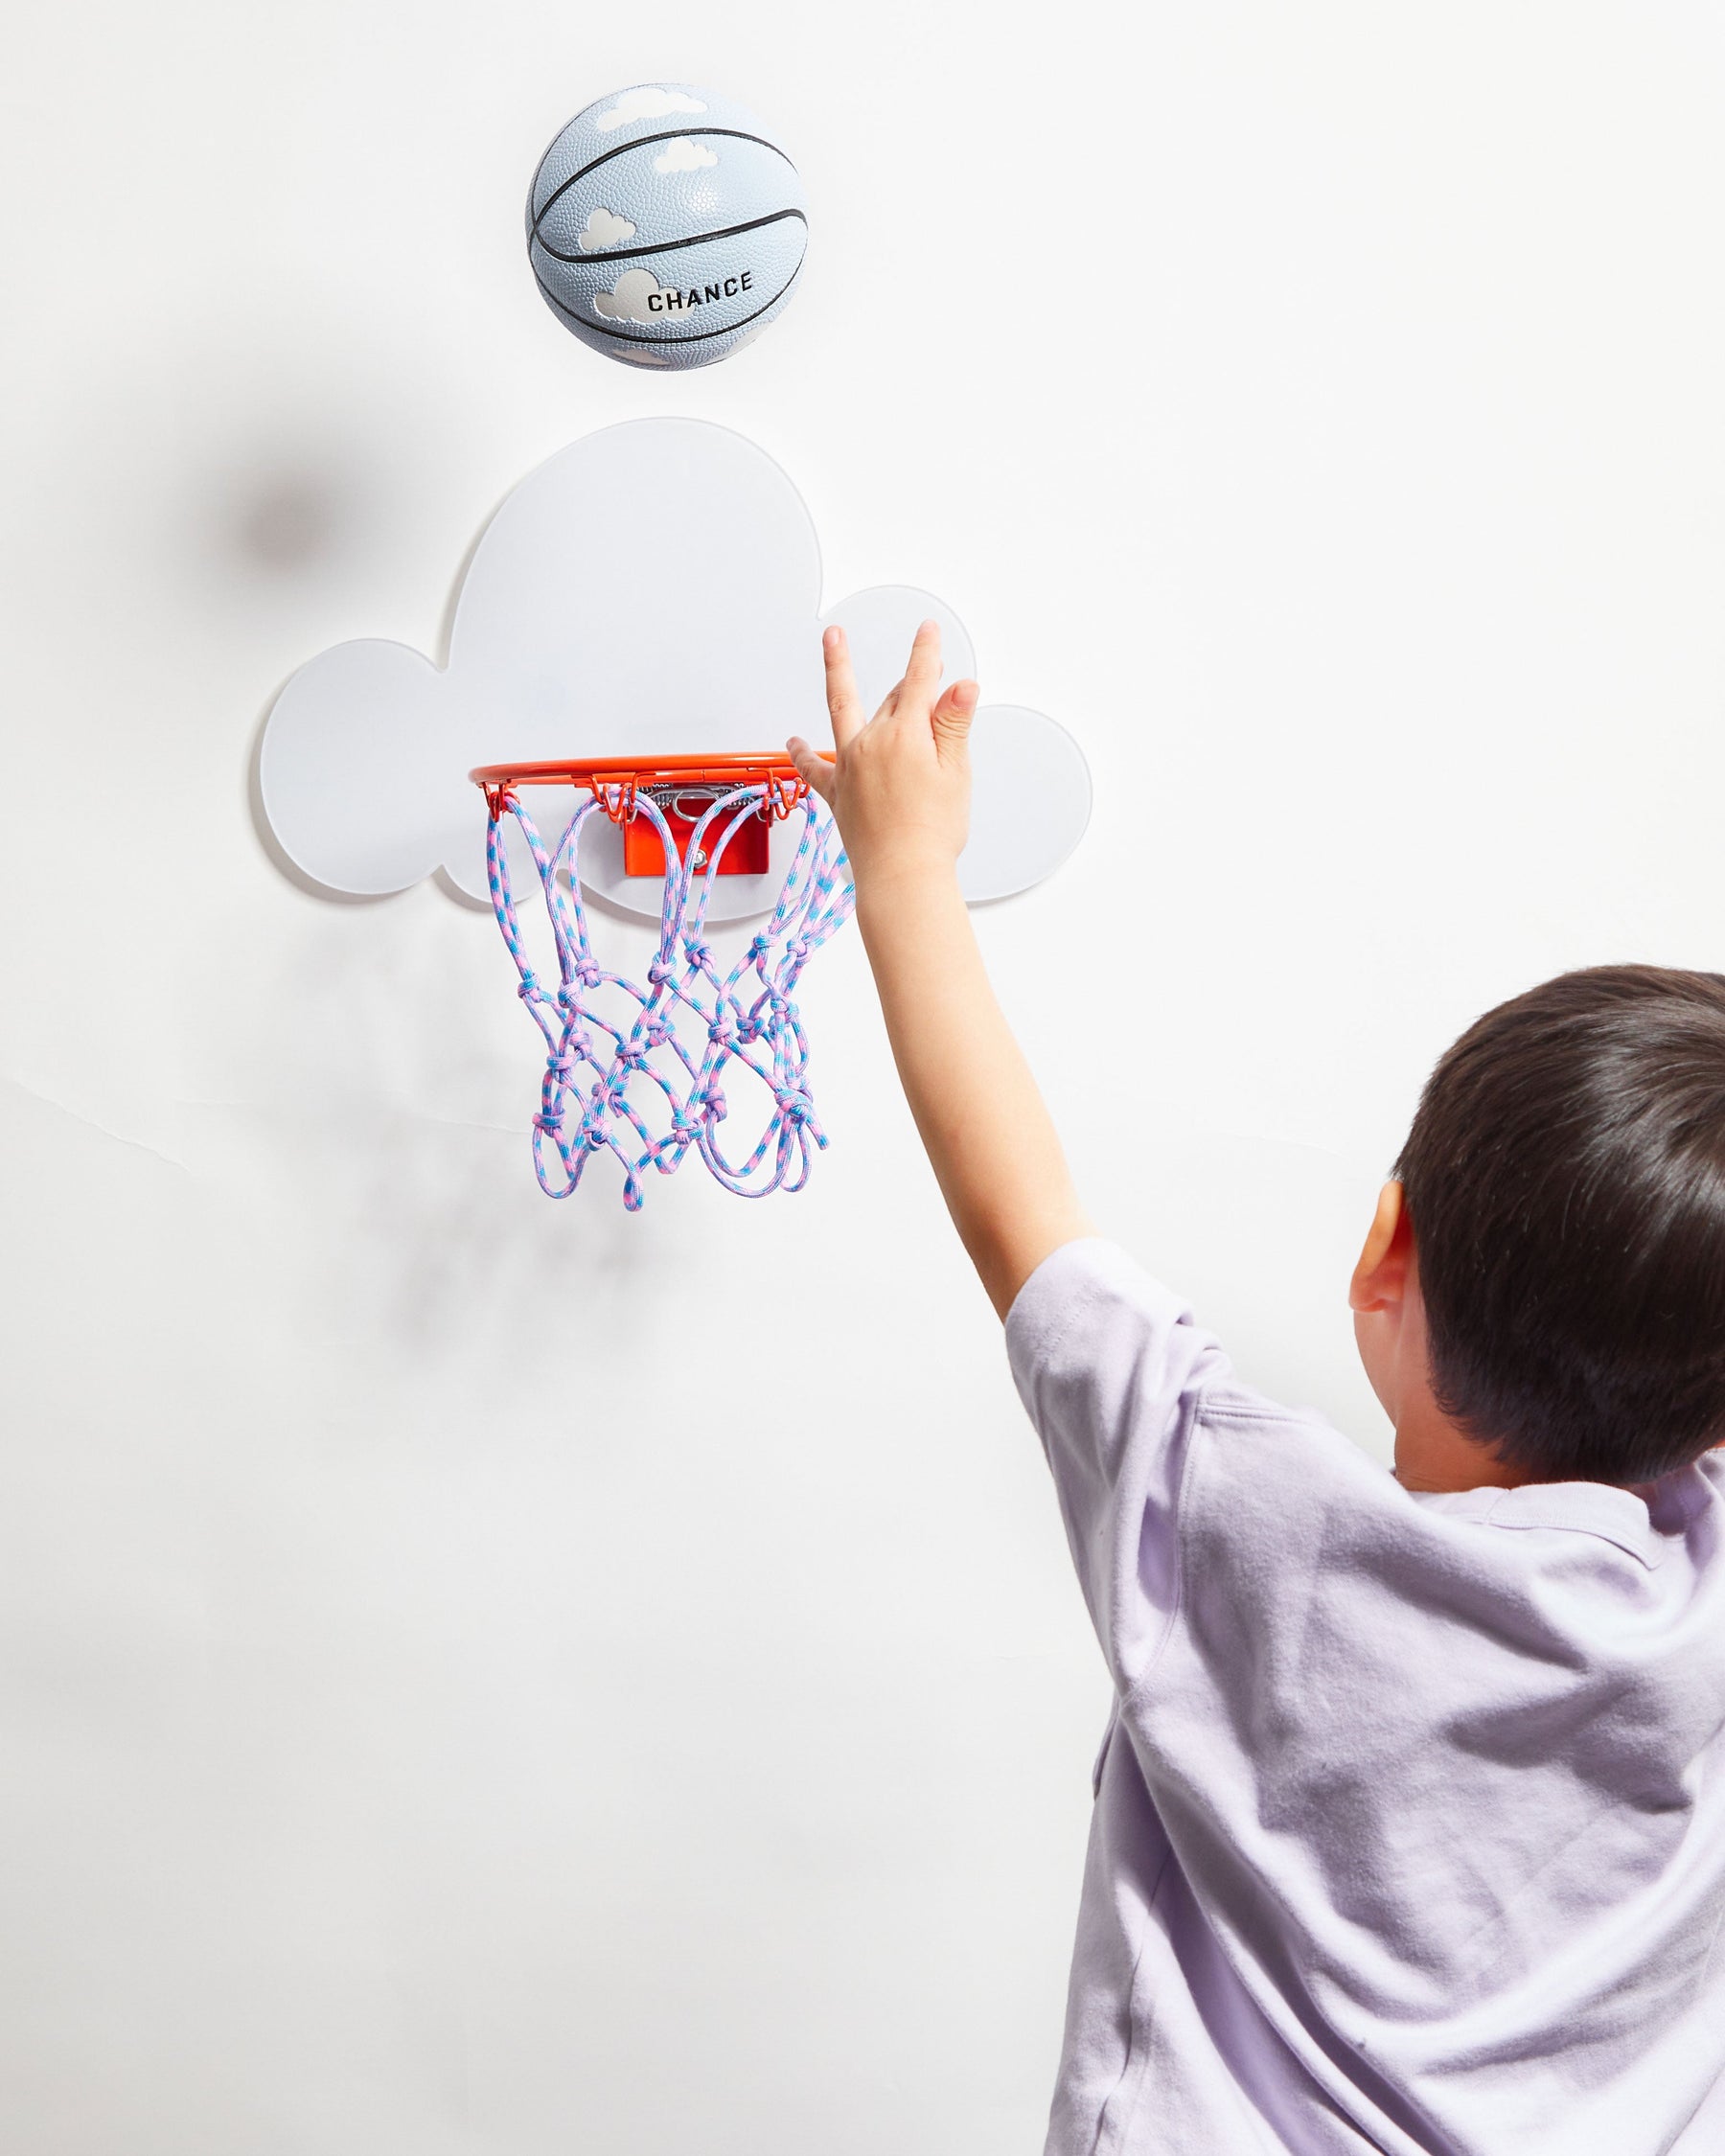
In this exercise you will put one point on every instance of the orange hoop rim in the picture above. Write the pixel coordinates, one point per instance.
(614, 781)
(644, 771)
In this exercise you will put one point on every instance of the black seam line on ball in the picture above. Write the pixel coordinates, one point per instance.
(666, 344)
(671, 134)
(670, 247)
(532, 190)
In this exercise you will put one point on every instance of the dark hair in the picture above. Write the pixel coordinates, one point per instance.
(1565, 1180)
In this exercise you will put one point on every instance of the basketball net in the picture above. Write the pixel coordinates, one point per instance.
(647, 1082)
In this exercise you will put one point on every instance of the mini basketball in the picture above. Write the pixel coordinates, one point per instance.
(665, 226)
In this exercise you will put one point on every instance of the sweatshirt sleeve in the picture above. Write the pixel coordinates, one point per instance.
(1110, 1366)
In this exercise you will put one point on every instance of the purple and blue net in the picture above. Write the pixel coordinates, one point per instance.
(648, 1071)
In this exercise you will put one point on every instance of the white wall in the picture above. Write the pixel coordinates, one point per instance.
(480, 1675)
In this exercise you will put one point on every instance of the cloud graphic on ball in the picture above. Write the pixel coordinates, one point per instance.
(604, 228)
(627, 300)
(653, 589)
(647, 102)
(684, 157)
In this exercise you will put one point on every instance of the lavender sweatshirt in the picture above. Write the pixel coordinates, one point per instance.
(1410, 1821)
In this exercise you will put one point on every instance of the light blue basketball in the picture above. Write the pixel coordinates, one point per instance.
(665, 226)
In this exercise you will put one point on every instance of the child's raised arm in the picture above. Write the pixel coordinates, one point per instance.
(899, 789)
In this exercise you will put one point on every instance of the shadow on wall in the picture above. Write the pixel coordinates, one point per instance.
(409, 1089)
(305, 508)
(294, 507)
(288, 523)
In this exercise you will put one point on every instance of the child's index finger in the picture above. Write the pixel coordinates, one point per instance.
(842, 703)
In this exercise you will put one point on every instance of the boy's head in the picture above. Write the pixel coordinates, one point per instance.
(1548, 1270)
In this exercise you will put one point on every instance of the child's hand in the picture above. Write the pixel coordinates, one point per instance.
(899, 784)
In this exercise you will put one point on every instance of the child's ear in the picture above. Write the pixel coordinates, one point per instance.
(1380, 1280)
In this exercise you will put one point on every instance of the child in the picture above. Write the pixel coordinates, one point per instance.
(1410, 1822)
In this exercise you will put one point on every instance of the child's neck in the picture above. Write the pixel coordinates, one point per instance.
(1433, 1454)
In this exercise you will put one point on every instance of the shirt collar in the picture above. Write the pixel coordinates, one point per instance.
(1619, 1516)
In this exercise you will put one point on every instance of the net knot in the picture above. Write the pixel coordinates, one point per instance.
(588, 973)
(699, 955)
(710, 1100)
(658, 971)
(798, 949)
(793, 1106)
(722, 1033)
(529, 987)
(759, 946)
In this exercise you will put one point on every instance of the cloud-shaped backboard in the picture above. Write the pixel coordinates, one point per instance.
(652, 589)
